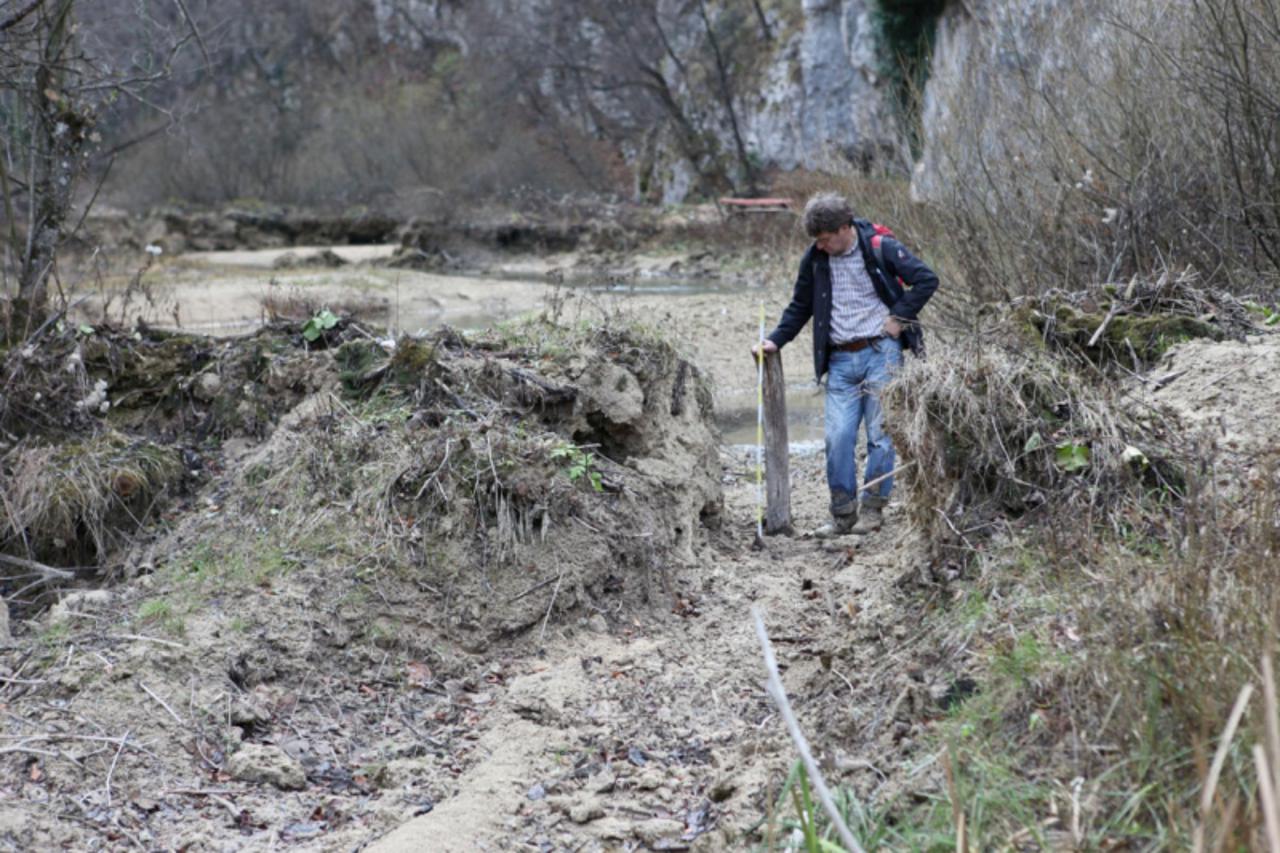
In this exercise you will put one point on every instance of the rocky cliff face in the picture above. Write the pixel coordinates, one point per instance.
(991, 62)
(821, 101)
(806, 92)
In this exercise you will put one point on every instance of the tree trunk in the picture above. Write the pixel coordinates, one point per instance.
(59, 133)
(726, 96)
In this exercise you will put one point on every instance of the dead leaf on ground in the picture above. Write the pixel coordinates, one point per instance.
(418, 674)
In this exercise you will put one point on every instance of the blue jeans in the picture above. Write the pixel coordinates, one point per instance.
(854, 380)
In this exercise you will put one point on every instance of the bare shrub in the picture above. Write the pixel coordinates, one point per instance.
(1105, 143)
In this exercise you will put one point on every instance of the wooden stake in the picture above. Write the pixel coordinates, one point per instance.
(777, 449)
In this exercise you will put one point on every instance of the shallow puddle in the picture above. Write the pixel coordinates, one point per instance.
(736, 415)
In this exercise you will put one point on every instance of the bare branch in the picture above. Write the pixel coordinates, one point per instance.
(17, 17)
(48, 572)
(195, 31)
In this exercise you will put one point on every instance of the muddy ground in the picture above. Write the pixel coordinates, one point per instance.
(264, 671)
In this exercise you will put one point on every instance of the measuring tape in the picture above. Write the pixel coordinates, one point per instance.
(760, 430)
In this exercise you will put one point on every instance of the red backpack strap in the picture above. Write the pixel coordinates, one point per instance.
(877, 249)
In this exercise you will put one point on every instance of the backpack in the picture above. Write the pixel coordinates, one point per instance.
(882, 231)
(877, 249)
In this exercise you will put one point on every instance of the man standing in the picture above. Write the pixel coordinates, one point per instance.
(863, 319)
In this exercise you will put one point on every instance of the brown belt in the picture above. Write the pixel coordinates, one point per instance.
(854, 346)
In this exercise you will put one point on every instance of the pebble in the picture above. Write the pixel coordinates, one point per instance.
(585, 811)
(603, 782)
(656, 829)
(207, 387)
(270, 764)
(649, 780)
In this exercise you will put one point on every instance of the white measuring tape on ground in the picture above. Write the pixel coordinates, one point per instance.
(760, 430)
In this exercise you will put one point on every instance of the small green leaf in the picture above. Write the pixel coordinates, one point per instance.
(319, 324)
(1072, 457)
(86, 329)
(1035, 442)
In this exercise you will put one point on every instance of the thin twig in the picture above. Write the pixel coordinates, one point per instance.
(208, 61)
(779, 695)
(895, 472)
(16, 18)
(111, 770)
(143, 639)
(1272, 723)
(1267, 794)
(542, 633)
(532, 589)
(163, 703)
(1102, 327)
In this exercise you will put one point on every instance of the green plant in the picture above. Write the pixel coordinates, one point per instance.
(579, 464)
(807, 824)
(319, 324)
(1270, 315)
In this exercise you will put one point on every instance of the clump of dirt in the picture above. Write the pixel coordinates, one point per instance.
(77, 503)
(308, 608)
(104, 430)
(173, 386)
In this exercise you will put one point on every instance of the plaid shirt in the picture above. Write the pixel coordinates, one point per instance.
(856, 310)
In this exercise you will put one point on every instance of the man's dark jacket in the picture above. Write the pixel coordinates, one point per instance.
(812, 294)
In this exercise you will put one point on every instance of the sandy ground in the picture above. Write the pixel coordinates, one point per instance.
(227, 300)
(679, 700)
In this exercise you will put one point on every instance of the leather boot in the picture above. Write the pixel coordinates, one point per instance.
(840, 525)
(870, 519)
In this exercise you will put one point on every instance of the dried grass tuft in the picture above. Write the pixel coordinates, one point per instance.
(78, 502)
(996, 428)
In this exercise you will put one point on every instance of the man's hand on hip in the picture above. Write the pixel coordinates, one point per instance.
(892, 327)
(769, 347)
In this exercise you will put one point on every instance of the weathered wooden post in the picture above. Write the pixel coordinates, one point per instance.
(777, 466)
